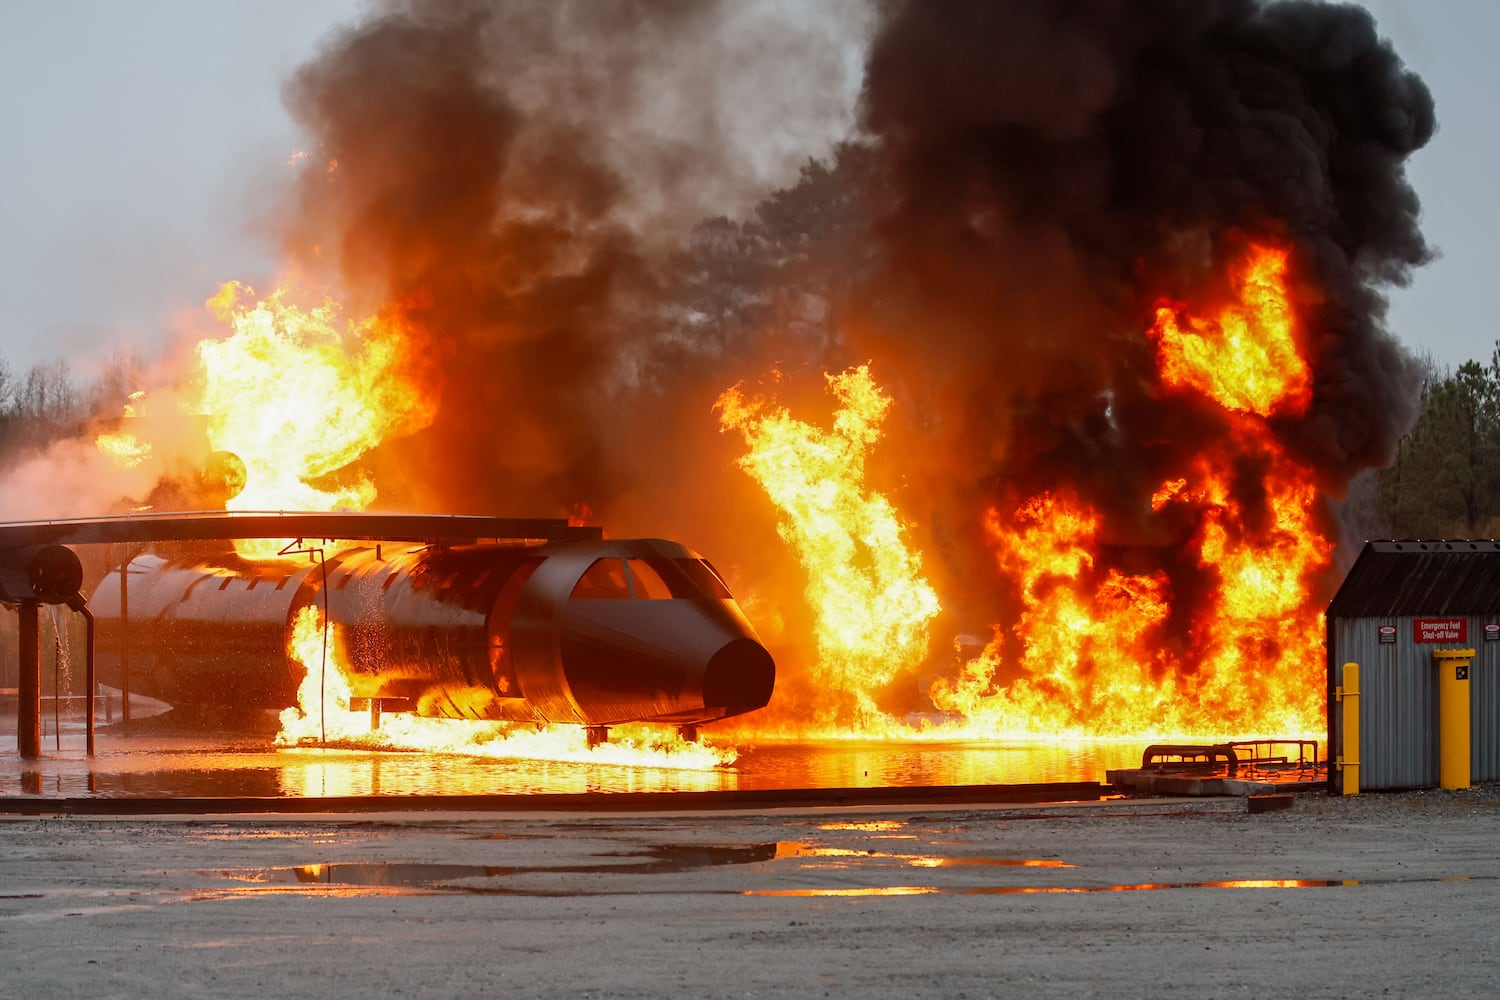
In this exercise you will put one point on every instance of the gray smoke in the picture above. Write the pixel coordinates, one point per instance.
(506, 174)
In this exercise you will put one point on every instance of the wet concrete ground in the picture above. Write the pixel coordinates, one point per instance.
(1383, 895)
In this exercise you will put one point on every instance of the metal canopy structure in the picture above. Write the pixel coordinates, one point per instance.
(1395, 578)
(217, 525)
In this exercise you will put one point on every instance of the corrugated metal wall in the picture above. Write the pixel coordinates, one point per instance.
(1484, 700)
(1398, 714)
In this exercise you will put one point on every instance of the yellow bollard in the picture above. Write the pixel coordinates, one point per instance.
(1453, 716)
(1347, 694)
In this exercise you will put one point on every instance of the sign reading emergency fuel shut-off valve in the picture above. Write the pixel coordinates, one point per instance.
(1440, 630)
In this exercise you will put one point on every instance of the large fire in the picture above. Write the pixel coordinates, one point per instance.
(1090, 652)
(300, 398)
(871, 605)
(1246, 357)
(1139, 324)
(1090, 649)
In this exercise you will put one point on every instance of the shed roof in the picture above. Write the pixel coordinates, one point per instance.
(1396, 578)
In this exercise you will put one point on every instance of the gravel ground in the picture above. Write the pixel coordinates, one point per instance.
(1381, 895)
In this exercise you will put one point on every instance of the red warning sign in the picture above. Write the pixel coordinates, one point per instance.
(1440, 630)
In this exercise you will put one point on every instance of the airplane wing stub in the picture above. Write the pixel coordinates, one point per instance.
(198, 526)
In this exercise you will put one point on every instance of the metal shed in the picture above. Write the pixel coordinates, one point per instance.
(1402, 602)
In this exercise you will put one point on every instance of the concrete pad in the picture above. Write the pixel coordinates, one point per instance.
(1126, 898)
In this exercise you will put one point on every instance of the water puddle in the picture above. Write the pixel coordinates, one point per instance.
(925, 862)
(660, 860)
(416, 878)
(371, 874)
(799, 849)
(1019, 890)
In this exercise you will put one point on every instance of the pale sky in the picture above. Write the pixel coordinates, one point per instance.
(1449, 308)
(141, 136)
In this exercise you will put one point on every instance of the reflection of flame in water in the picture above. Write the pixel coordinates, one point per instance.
(323, 700)
(332, 773)
(1088, 654)
(1044, 890)
(888, 890)
(800, 849)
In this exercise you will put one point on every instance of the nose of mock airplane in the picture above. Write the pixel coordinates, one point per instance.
(739, 677)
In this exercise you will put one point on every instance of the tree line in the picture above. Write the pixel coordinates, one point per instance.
(47, 402)
(1445, 479)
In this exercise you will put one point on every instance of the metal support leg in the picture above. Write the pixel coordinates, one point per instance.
(125, 642)
(29, 709)
(89, 673)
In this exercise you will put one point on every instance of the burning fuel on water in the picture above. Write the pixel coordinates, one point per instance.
(323, 715)
(1013, 400)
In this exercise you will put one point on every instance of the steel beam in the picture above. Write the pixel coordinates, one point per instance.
(29, 705)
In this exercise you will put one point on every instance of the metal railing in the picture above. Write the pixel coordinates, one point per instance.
(1234, 754)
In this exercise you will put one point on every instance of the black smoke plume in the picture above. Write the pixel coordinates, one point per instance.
(1050, 171)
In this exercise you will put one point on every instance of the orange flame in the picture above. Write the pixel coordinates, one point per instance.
(1092, 650)
(127, 450)
(300, 399)
(1081, 634)
(1093, 659)
(1246, 357)
(865, 587)
(323, 714)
